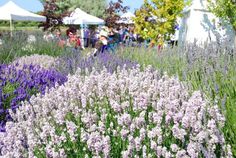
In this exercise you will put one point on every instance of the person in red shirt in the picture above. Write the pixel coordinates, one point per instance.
(73, 41)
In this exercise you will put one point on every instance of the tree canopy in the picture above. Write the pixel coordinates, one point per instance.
(54, 15)
(225, 9)
(94, 7)
(113, 12)
(156, 19)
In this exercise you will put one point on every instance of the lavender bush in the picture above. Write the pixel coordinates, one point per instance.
(20, 45)
(44, 61)
(70, 62)
(20, 83)
(210, 69)
(130, 113)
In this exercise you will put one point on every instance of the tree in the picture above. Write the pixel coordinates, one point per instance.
(224, 9)
(156, 19)
(93, 7)
(54, 15)
(113, 12)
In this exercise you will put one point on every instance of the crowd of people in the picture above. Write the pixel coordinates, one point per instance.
(100, 38)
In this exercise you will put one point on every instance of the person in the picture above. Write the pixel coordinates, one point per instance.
(126, 36)
(60, 41)
(86, 37)
(113, 39)
(140, 40)
(94, 37)
(78, 37)
(121, 33)
(101, 43)
(175, 36)
(73, 41)
(173, 41)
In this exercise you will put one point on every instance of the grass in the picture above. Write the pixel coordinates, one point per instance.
(211, 70)
(25, 28)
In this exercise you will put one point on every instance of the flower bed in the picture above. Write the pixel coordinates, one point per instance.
(125, 114)
(20, 83)
(210, 69)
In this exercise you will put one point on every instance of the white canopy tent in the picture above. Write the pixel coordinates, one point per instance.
(201, 26)
(126, 18)
(79, 17)
(10, 11)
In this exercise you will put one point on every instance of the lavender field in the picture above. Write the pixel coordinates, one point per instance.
(134, 103)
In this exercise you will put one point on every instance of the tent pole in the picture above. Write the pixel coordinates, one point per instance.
(11, 27)
(82, 35)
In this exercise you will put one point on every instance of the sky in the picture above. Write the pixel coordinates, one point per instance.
(35, 5)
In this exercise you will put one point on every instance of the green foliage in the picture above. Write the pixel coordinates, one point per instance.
(225, 9)
(156, 18)
(19, 23)
(94, 7)
(8, 89)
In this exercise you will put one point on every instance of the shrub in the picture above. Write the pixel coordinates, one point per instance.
(125, 114)
(210, 69)
(18, 46)
(70, 62)
(44, 61)
(17, 85)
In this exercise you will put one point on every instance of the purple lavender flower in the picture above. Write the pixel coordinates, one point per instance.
(18, 84)
(70, 63)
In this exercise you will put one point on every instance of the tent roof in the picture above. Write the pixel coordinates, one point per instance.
(126, 18)
(11, 11)
(127, 15)
(80, 17)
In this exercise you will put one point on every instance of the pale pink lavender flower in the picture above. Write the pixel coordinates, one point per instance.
(125, 154)
(144, 151)
(138, 142)
(124, 133)
(178, 132)
(181, 154)
(193, 150)
(115, 106)
(174, 148)
(159, 151)
(153, 145)
(71, 129)
(124, 120)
